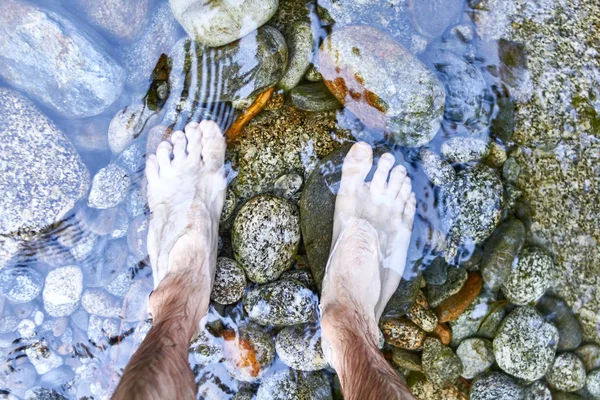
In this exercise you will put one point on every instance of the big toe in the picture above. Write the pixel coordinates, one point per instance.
(356, 167)
(213, 145)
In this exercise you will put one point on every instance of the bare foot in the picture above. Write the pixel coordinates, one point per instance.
(186, 191)
(371, 234)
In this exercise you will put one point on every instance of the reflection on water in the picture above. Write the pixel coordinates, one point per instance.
(88, 89)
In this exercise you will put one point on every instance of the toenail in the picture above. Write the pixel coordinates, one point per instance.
(361, 151)
(388, 157)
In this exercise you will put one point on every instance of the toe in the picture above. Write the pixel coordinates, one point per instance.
(356, 167)
(194, 140)
(210, 129)
(163, 154)
(152, 169)
(409, 211)
(179, 143)
(379, 182)
(404, 192)
(397, 177)
(213, 153)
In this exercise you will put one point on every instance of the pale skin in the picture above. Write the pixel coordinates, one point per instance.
(372, 228)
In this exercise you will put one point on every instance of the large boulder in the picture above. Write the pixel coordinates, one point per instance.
(383, 84)
(49, 58)
(216, 23)
(42, 174)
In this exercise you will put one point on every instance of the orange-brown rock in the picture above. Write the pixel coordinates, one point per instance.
(451, 308)
(403, 333)
(443, 332)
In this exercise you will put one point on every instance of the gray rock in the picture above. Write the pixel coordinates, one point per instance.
(119, 286)
(229, 207)
(135, 304)
(135, 204)
(42, 174)
(288, 186)
(265, 237)
(500, 251)
(43, 394)
(313, 75)
(476, 356)
(84, 246)
(496, 386)
(299, 40)
(358, 61)
(567, 373)
(511, 170)
(529, 279)
(8, 323)
(482, 319)
(43, 358)
(403, 298)
(290, 384)
(561, 316)
(525, 344)
(589, 354)
(98, 302)
(206, 348)
(281, 303)
(464, 149)
(62, 291)
(301, 275)
(105, 263)
(472, 218)
(264, 351)
(437, 170)
(592, 383)
(20, 284)
(433, 17)
(158, 37)
(137, 234)
(69, 73)
(436, 273)
(299, 347)
(537, 391)
(133, 158)
(240, 76)
(423, 389)
(120, 19)
(440, 365)
(126, 125)
(314, 97)
(219, 23)
(406, 359)
(229, 284)
(436, 294)
(109, 187)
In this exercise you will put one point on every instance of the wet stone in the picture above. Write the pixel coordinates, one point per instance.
(248, 353)
(500, 251)
(402, 333)
(43, 394)
(557, 312)
(537, 391)
(98, 302)
(43, 176)
(452, 307)
(127, 124)
(406, 359)
(314, 97)
(135, 304)
(525, 344)
(62, 291)
(281, 303)
(289, 187)
(133, 158)
(511, 170)
(137, 234)
(423, 389)
(437, 272)
(20, 284)
(109, 187)
(436, 294)
(357, 63)
(228, 207)
(289, 384)
(567, 373)
(135, 203)
(42, 358)
(403, 298)
(464, 149)
(589, 354)
(421, 315)
(496, 386)
(230, 282)
(299, 40)
(8, 323)
(301, 275)
(432, 18)
(530, 278)
(476, 356)
(119, 286)
(299, 347)
(313, 75)
(206, 348)
(70, 74)
(592, 383)
(265, 237)
(437, 170)
(440, 365)
(482, 318)
(219, 23)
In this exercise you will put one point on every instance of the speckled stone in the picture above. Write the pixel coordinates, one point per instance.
(592, 383)
(299, 39)
(301, 275)
(265, 237)
(281, 303)
(126, 125)
(471, 218)
(496, 386)
(406, 359)
(228, 207)
(589, 354)
(437, 170)
(248, 353)
(314, 97)
(299, 347)
(42, 357)
(219, 23)
(421, 315)
(525, 344)
(476, 355)
(62, 291)
(20, 284)
(42, 175)
(530, 278)
(109, 187)
(423, 389)
(206, 348)
(440, 365)
(500, 251)
(289, 384)
(229, 283)
(436, 294)
(561, 316)
(288, 186)
(464, 149)
(537, 391)
(402, 332)
(567, 373)
(70, 73)
(357, 63)
(98, 302)
(137, 234)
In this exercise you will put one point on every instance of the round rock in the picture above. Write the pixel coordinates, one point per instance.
(592, 383)
(437, 170)
(248, 352)
(537, 391)
(477, 355)
(440, 365)
(299, 39)
(561, 316)
(299, 347)
(589, 354)
(530, 278)
(230, 282)
(20, 284)
(265, 237)
(290, 384)
(62, 291)
(109, 187)
(314, 97)
(525, 344)
(500, 251)
(567, 373)
(464, 149)
(496, 386)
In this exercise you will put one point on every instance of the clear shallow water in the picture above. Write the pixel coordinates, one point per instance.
(84, 353)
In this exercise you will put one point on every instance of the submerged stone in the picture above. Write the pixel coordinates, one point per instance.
(496, 386)
(530, 278)
(464, 149)
(68, 72)
(42, 174)
(567, 373)
(436, 294)
(299, 347)
(248, 352)
(229, 283)
(440, 365)
(299, 39)
(109, 187)
(482, 319)
(290, 384)
(476, 356)
(500, 252)
(557, 312)
(589, 354)
(20, 284)
(358, 62)
(537, 391)
(314, 97)
(62, 291)
(437, 170)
